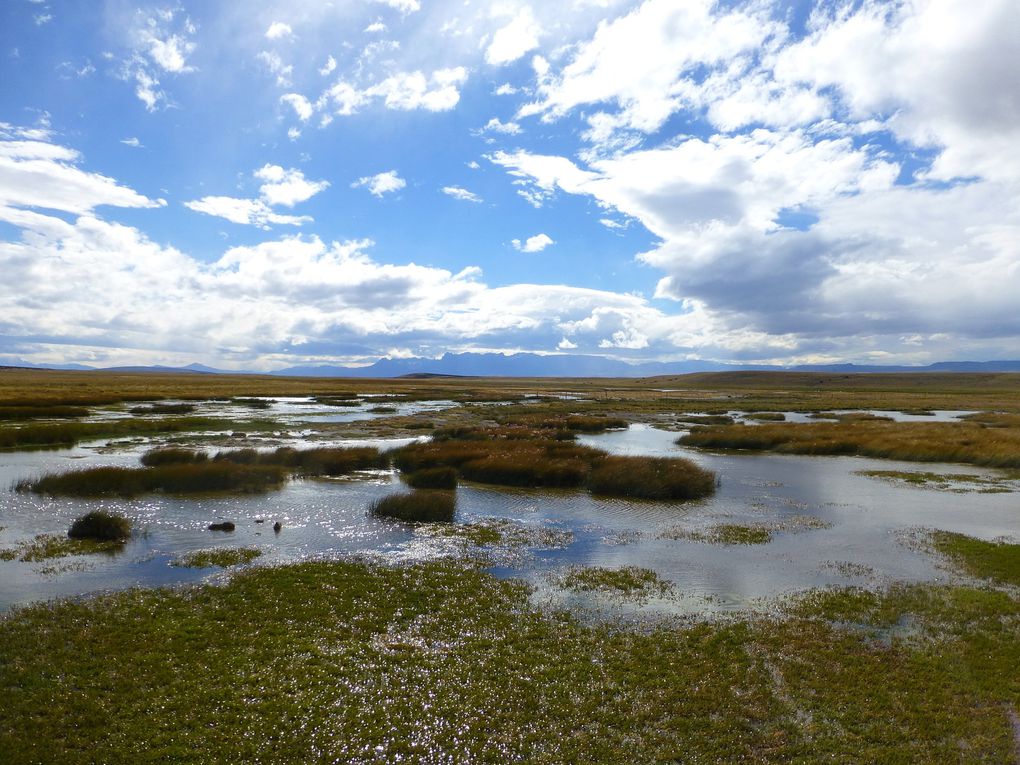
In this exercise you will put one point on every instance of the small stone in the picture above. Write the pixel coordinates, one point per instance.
(225, 526)
(277, 526)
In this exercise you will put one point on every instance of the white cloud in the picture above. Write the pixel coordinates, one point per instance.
(376, 26)
(404, 6)
(40, 175)
(160, 43)
(133, 142)
(302, 106)
(405, 91)
(278, 30)
(277, 67)
(506, 89)
(381, 183)
(611, 224)
(535, 243)
(280, 187)
(515, 39)
(42, 18)
(286, 187)
(253, 212)
(507, 128)
(460, 193)
(329, 67)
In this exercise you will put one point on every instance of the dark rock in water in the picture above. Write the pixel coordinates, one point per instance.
(277, 526)
(225, 526)
(260, 520)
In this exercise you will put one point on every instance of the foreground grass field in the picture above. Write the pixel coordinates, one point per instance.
(352, 662)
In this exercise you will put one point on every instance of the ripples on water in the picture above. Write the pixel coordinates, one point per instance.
(831, 526)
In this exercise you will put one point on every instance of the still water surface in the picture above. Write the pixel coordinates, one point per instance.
(830, 526)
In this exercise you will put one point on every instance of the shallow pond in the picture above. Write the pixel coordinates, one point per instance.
(829, 525)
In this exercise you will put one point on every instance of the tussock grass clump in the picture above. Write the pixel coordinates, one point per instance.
(173, 456)
(101, 526)
(420, 506)
(651, 478)
(68, 434)
(311, 462)
(998, 561)
(252, 403)
(909, 441)
(219, 556)
(163, 409)
(575, 423)
(42, 412)
(765, 416)
(172, 479)
(706, 419)
(433, 478)
(504, 462)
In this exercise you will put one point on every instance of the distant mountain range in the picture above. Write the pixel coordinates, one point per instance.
(535, 365)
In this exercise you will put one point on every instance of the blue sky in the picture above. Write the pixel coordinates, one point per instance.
(260, 184)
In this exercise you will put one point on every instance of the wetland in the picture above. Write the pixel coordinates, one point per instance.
(684, 569)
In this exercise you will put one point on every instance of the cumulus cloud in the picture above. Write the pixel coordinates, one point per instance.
(460, 193)
(506, 128)
(381, 183)
(404, 91)
(278, 30)
(535, 243)
(302, 106)
(405, 6)
(37, 174)
(280, 187)
(161, 44)
(512, 41)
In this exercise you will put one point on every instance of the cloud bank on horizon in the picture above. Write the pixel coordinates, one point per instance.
(267, 184)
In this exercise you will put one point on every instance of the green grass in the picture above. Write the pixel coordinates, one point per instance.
(352, 662)
(629, 581)
(420, 506)
(172, 456)
(997, 561)
(51, 546)
(217, 556)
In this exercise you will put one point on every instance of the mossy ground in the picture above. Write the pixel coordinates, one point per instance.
(352, 662)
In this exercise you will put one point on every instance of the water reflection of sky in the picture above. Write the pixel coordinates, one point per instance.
(866, 519)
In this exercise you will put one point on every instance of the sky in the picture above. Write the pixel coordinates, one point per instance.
(264, 184)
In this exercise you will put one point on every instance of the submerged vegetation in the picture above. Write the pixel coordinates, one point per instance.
(630, 581)
(223, 557)
(49, 546)
(998, 561)
(354, 662)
